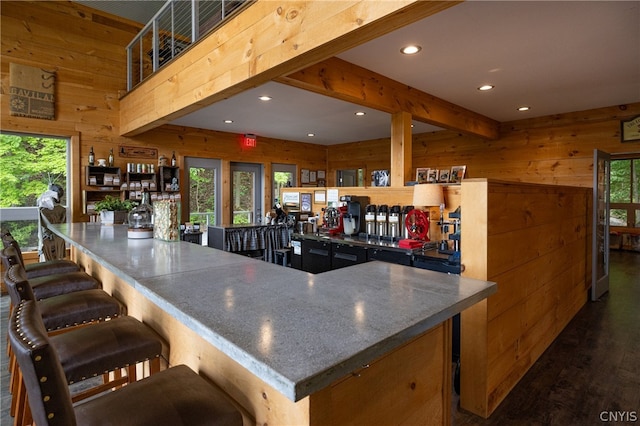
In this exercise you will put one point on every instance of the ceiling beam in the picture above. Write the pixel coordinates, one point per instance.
(343, 80)
(266, 40)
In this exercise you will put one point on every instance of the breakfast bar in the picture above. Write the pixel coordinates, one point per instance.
(367, 343)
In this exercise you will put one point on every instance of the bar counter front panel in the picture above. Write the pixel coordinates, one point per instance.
(291, 347)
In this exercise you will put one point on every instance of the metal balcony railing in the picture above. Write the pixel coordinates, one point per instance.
(176, 26)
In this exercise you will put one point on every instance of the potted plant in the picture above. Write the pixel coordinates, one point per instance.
(113, 210)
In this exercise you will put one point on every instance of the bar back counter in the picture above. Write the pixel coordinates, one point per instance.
(368, 344)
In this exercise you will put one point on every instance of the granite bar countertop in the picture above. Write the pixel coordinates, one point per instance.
(296, 331)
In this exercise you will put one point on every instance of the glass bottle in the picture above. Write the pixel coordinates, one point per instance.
(173, 159)
(111, 157)
(141, 219)
(92, 157)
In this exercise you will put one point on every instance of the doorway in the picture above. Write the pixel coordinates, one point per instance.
(246, 195)
(204, 195)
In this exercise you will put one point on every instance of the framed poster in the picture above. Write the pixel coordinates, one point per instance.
(422, 175)
(305, 202)
(319, 197)
(312, 176)
(457, 174)
(291, 200)
(304, 176)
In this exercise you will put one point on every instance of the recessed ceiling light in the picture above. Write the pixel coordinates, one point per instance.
(265, 98)
(360, 113)
(228, 121)
(524, 108)
(411, 49)
(486, 87)
(311, 134)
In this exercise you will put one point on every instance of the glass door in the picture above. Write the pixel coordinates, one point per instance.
(246, 184)
(203, 196)
(600, 249)
(284, 176)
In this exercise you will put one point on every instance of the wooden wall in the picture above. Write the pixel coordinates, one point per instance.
(534, 241)
(87, 49)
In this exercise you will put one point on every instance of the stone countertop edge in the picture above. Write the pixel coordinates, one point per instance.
(295, 390)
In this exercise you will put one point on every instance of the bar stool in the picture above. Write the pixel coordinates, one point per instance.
(53, 284)
(40, 268)
(91, 351)
(176, 396)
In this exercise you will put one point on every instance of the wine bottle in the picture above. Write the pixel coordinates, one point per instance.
(173, 159)
(92, 157)
(111, 157)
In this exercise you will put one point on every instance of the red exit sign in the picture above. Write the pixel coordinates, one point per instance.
(249, 141)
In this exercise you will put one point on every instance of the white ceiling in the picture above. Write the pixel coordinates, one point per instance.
(554, 56)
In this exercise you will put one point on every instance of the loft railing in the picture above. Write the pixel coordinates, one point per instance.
(176, 26)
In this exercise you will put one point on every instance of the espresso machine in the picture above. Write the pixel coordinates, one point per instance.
(355, 213)
(332, 219)
(370, 219)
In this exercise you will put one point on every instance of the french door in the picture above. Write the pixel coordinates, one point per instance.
(246, 196)
(204, 194)
(600, 248)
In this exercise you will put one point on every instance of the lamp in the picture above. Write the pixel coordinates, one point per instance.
(417, 220)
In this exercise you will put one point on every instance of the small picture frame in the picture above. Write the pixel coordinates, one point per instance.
(304, 175)
(312, 176)
(305, 202)
(319, 197)
(380, 178)
(443, 176)
(457, 174)
(432, 177)
(321, 174)
(422, 175)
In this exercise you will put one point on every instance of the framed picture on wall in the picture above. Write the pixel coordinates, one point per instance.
(443, 176)
(312, 176)
(305, 202)
(457, 174)
(422, 175)
(432, 176)
(304, 175)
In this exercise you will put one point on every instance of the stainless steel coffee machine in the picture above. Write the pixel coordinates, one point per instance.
(355, 212)
(395, 222)
(382, 220)
(370, 219)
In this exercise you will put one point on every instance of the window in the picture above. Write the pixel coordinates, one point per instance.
(625, 192)
(28, 164)
(284, 176)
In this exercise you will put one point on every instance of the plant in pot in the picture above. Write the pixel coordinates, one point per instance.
(113, 210)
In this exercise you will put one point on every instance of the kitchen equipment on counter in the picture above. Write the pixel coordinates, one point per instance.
(370, 219)
(395, 224)
(355, 210)
(405, 212)
(382, 219)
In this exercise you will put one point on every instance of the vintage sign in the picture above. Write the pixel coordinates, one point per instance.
(31, 92)
(630, 130)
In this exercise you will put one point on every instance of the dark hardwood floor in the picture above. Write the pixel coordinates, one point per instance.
(591, 370)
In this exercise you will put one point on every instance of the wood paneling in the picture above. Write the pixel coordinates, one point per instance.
(534, 241)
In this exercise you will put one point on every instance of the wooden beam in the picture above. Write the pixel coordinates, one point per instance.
(400, 148)
(266, 40)
(343, 80)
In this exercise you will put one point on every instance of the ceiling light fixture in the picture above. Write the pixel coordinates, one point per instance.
(311, 134)
(524, 108)
(486, 87)
(360, 113)
(265, 98)
(228, 121)
(411, 49)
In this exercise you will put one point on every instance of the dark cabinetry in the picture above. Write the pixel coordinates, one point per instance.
(100, 182)
(399, 257)
(168, 179)
(316, 256)
(347, 255)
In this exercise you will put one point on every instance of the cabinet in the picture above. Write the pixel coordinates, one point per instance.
(168, 179)
(100, 182)
(390, 256)
(138, 182)
(344, 255)
(316, 256)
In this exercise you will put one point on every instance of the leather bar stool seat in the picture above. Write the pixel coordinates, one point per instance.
(46, 286)
(177, 396)
(39, 269)
(65, 310)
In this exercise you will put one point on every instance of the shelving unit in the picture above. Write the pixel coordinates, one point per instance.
(138, 182)
(166, 174)
(100, 182)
